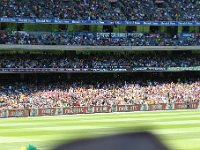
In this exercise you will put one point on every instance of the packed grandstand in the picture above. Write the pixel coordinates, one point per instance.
(99, 61)
(149, 10)
(38, 78)
(98, 90)
(99, 39)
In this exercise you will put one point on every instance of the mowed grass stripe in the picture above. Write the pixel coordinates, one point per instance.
(159, 121)
(184, 144)
(172, 126)
(96, 125)
(74, 129)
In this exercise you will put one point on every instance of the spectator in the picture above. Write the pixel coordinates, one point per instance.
(98, 61)
(97, 39)
(63, 94)
(140, 10)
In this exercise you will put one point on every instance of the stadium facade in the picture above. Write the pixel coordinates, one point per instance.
(53, 66)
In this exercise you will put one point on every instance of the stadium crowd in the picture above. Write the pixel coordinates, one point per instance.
(143, 10)
(96, 61)
(64, 94)
(98, 39)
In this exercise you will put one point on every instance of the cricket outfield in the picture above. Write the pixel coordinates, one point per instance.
(179, 129)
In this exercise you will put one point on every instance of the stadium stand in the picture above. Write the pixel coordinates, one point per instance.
(143, 10)
(98, 61)
(98, 39)
(43, 43)
(56, 91)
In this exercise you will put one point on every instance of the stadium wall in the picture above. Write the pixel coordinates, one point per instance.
(95, 109)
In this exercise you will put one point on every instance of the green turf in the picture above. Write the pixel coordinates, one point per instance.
(177, 129)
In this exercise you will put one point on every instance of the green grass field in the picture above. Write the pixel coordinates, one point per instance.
(177, 129)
